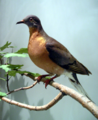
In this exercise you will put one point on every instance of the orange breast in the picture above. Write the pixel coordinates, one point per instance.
(40, 56)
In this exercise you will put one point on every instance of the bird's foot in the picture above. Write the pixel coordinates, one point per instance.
(49, 80)
(40, 77)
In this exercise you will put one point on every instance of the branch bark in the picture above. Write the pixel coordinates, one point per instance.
(23, 88)
(64, 90)
(36, 108)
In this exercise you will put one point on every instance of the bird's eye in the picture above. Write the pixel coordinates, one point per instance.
(31, 20)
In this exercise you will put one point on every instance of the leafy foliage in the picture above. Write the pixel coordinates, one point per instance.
(13, 69)
(20, 53)
(14, 72)
(5, 67)
(10, 67)
(2, 94)
(15, 55)
(7, 45)
(14, 66)
(22, 50)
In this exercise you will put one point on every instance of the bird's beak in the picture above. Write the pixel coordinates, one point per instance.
(22, 21)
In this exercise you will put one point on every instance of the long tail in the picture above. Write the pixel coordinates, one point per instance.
(78, 86)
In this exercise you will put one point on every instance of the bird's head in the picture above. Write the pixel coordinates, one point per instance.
(31, 21)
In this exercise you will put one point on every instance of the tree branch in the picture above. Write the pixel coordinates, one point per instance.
(85, 102)
(36, 108)
(23, 88)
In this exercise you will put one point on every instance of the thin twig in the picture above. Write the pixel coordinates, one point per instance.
(36, 108)
(22, 88)
(7, 80)
(8, 83)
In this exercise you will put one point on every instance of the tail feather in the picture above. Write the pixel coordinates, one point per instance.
(74, 80)
(79, 87)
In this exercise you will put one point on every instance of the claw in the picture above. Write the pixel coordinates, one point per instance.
(47, 82)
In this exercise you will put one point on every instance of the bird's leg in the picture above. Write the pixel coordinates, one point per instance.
(49, 80)
(42, 76)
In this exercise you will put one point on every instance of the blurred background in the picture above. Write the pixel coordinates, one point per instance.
(73, 23)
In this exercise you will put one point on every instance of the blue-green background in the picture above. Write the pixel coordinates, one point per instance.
(74, 23)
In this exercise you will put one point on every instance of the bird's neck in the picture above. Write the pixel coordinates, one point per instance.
(32, 30)
(36, 31)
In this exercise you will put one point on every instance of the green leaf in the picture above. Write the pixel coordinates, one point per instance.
(14, 72)
(14, 66)
(5, 46)
(2, 94)
(10, 67)
(22, 50)
(15, 55)
(48, 77)
(5, 67)
(30, 73)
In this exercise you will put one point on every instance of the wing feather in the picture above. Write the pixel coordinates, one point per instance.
(61, 56)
